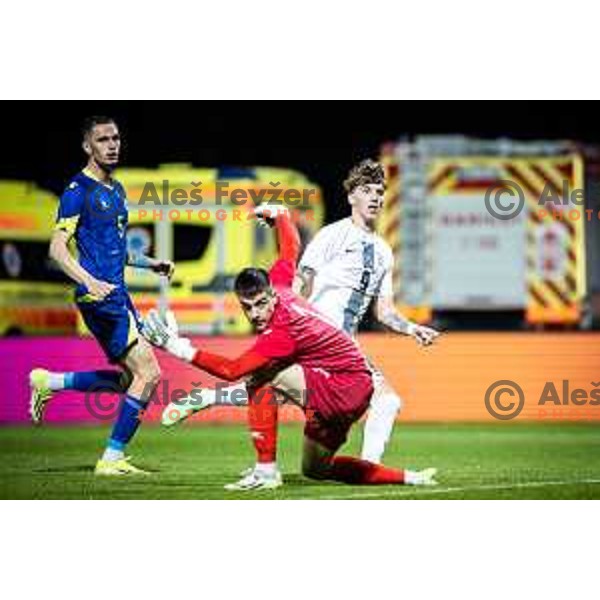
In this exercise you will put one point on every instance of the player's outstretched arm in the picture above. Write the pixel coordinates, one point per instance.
(288, 239)
(387, 314)
(164, 333)
(60, 253)
(160, 267)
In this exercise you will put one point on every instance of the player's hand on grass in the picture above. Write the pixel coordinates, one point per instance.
(164, 267)
(99, 289)
(424, 335)
(163, 332)
(266, 214)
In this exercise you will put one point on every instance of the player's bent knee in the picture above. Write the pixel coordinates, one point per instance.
(151, 374)
(144, 366)
(387, 398)
(393, 401)
(153, 378)
(147, 371)
(146, 377)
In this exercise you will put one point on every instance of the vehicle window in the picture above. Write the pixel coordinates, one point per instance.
(190, 241)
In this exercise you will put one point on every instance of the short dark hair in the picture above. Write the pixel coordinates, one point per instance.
(366, 172)
(251, 282)
(91, 122)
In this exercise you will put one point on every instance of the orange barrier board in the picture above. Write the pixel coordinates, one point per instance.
(449, 381)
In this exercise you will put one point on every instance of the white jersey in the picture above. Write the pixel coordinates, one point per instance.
(351, 267)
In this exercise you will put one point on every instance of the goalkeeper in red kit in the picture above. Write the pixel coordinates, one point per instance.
(315, 365)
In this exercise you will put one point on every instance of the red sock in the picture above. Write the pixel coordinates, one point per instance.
(262, 420)
(363, 472)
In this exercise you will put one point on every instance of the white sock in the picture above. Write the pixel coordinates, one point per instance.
(56, 381)
(379, 425)
(231, 395)
(412, 477)
(268, 469)
(112, 455)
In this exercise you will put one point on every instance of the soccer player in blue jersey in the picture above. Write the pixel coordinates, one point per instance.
(93, 210)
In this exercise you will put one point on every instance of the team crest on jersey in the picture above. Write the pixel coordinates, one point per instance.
(102, 203)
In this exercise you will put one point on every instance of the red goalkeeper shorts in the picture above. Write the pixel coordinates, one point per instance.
(335, 401)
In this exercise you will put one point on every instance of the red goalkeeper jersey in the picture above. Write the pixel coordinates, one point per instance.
(297, 332)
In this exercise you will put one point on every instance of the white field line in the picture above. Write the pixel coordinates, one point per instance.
(439, 490)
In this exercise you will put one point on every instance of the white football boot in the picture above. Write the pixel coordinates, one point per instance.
(41, 394)
(179, 411)
(256, 480)
(424, 477)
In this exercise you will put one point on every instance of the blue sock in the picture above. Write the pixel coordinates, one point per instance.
(87, 380)
(127, 423)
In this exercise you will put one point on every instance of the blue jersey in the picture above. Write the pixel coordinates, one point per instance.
(96, 214)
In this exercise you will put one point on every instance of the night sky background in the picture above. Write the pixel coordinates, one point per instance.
(41, 140)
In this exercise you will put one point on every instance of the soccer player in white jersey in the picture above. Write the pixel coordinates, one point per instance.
(343, 269)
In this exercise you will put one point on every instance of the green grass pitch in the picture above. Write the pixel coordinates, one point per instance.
(505, 460)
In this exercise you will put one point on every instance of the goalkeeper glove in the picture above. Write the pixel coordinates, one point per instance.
(164, 333)
(266, 214)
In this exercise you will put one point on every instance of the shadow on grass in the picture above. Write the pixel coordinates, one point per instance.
(89, 469)
(297, 480)
(66, 469)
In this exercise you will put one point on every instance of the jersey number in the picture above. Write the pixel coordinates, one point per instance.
(121, 224)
